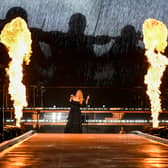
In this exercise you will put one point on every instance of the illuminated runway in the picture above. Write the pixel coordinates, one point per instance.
(86, 151)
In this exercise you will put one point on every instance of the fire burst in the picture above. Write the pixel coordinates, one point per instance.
(17, 38)
(155, 40)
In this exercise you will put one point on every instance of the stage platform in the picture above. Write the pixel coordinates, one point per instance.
(94, 120)
(85, 151)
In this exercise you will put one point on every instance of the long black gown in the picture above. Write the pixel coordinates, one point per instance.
(74, 124)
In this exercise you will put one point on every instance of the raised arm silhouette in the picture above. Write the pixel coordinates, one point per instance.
(72, 52)
(127, 58)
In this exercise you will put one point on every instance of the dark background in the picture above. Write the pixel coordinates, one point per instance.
(93, 44)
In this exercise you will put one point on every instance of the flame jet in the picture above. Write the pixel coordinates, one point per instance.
(155, 40)
(17, 38)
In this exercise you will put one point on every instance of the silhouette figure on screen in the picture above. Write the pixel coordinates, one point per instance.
(4, 61)
(72, 52)
(74, 124)
(38, 69)
(127, 58)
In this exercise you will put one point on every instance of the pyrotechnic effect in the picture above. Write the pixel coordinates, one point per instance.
(155, 40)
(17, 38)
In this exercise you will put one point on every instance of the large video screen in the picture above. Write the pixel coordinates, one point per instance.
(85, 42)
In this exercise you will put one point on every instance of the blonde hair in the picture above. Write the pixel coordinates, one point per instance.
(79, 95)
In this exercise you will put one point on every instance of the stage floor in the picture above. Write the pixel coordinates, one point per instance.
(85, 151)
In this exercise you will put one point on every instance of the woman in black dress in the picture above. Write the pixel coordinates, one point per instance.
(74, 124)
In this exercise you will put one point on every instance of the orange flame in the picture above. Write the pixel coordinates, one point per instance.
(155, 40)
(17, 38)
